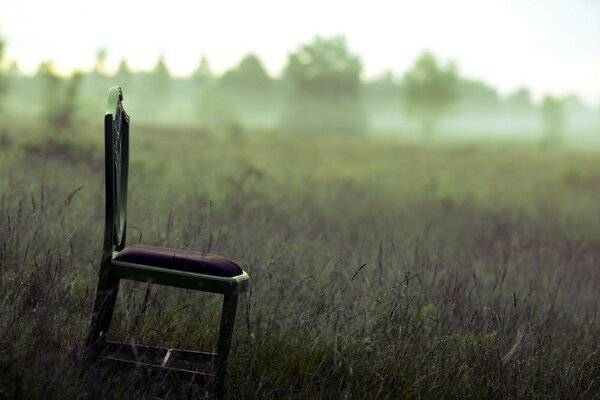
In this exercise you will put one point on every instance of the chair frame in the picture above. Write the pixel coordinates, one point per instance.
(116, 145)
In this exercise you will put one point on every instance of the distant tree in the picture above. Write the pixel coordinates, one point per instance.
(123, 74)
(97, 82)
(3, 80)
(382, 93)
(67, 109)
(248, 76)
(50, 84)
(250, 88)
(519, 101)
(552, 112)
(203, 75)
(160, 77)
(429, 90)
(60, 97)
(13, 69)
(155, 90)
(217, 110)
(324, 83)
(477, 96)
(100, 64)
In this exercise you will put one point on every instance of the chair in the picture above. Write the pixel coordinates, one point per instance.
(178, 268)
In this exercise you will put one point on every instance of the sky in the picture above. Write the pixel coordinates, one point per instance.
(550, 46)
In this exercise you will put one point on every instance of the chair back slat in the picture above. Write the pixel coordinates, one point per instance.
(116, 159)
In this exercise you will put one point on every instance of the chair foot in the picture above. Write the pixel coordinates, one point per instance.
(228, 312)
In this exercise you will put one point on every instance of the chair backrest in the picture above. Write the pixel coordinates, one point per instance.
(116, 167)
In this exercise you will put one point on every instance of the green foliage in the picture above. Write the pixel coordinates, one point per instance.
(249, 76)
(320, 93)
(14, 71)
(160, 78)
(325, 66)
(382, 94)
(324, 81)
(161, 71)
(203, 75)
(250, 88)
(553, 115)
(155, 91)
(3, 80)
(123, 76)
(59, 98)
(477, 96)
(429, 90)
(100, 64)
(520, 101)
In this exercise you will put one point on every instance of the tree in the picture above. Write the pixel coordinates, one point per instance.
(249, 76)
(429, 90)
(60, 95)
(324, 84)
(67, 110)
(160, 77)
(3, 81)
(203, 75)
(552, 112)
(14, 70)
(478, 96)
(123, 75)
(519, 101)
(217, 110)
(100, 64)
(250, 88)
(382, 94)
(155, 90)
(50, 82)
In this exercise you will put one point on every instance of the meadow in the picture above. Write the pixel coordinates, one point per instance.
(380, 269)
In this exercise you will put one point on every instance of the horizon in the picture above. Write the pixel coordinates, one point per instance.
(549, 50)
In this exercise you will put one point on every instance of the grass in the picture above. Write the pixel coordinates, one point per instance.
(380, 269)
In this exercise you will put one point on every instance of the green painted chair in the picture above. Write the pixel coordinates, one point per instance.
(171, 267)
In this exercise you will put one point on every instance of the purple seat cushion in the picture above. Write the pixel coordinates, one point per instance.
(182, 260)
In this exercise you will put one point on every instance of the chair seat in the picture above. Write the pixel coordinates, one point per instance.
(181, 260)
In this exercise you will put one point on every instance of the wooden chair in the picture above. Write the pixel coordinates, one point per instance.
(171, 267)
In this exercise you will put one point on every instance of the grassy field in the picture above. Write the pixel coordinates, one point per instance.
(380, 269)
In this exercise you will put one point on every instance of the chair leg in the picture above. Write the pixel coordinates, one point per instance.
(104, 305)
(225, 334)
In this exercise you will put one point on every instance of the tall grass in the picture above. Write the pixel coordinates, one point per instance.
(378, 269)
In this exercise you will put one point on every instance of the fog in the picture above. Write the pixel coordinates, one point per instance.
(321, 91)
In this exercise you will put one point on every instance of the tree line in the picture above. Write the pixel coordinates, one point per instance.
(321, 91)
